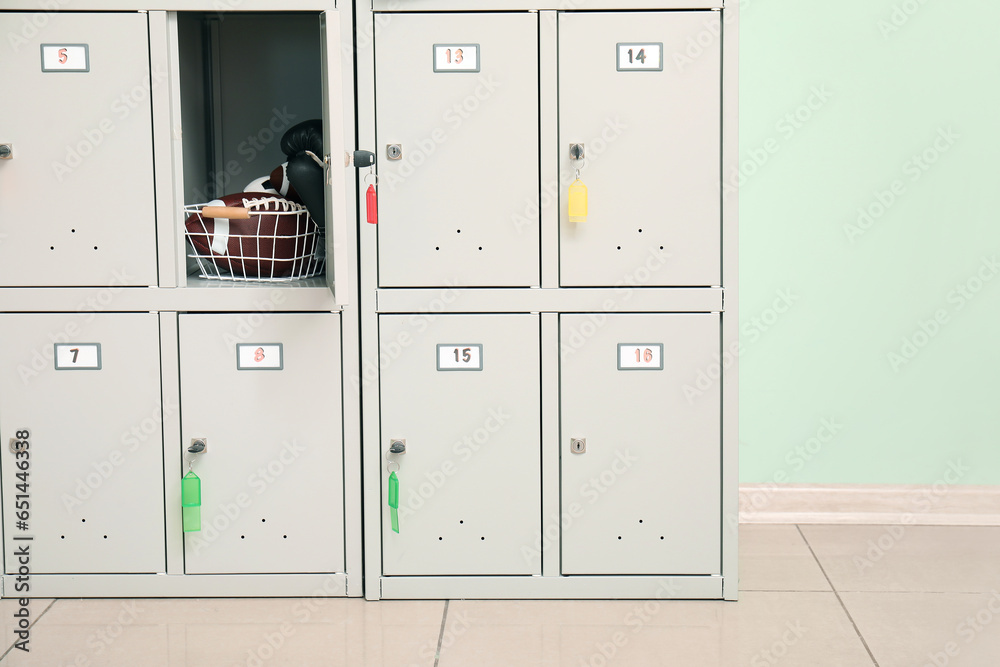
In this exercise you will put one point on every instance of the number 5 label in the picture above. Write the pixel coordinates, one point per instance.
(65, 58)
(640, 356)
(465, 357)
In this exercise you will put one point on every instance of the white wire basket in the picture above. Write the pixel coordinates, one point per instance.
(267, 239)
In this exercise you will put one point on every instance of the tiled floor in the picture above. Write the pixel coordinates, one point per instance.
(811, 596)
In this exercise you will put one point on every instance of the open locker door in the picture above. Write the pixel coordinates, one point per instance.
(338, 261)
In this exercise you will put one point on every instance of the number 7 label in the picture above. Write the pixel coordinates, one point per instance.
(78, 356)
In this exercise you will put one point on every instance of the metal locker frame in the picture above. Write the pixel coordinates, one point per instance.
(549, 300)
(173, 294)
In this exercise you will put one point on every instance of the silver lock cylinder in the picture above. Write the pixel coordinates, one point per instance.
(394, 151)
(578, 445)
(6, 151)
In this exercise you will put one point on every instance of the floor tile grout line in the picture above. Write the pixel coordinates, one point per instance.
(444, 620)
(44, 611)
(837, 594)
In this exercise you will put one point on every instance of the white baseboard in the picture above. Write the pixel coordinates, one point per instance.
(937, 505)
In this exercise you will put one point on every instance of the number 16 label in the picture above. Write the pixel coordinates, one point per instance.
(640, 356)
(464, 357)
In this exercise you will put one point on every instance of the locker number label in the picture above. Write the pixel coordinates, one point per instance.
(456, 57)
(646, 57)
(65, 58)
(466, 357)
(78, 356)
(259, 357)
(640, 356)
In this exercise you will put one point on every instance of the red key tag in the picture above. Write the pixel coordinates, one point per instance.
(371, 202)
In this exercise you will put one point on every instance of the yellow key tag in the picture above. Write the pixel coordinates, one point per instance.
(577, 201)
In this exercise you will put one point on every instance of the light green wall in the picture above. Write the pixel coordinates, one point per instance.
(893, 93)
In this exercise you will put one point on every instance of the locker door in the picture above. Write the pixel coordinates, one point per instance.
(646, 488)
(76, 195)
(264, 392)
(460, 205)
(651, 135)
(462, 391)
(95, 453)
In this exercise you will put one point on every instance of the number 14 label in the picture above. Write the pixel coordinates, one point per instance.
(640, 356)
(646, 57)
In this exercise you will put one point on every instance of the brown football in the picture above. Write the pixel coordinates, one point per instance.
(278, 237)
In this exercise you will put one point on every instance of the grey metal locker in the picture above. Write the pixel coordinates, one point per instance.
(77, 206)
(457, 97)
(645, 485)
(462, 391)
(86, 388)
(264, 393)
(652, 147)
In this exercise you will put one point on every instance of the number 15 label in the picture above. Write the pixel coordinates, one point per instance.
(464, 357)
(640, 356)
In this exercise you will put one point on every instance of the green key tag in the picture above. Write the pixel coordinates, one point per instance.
(394, 501)
(191, 502)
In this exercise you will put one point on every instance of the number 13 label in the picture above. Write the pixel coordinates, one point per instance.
(464, 357)
(640, 356)
(456, 57)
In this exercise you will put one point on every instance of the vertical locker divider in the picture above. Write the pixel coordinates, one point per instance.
(551, 443)
(172, 459)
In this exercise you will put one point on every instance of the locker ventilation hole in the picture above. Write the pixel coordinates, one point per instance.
(640, 520)
(482, 538)
(263, 520)
(640, 231)
(661, 537)
(619, 247)
(661, 247)
(52, 247)
(461, 521)
(83, 521)
(95, 247)
(440, 538)
(73, 230)
(284, 537)
(105, 537)
(243, 537)
(619, 537)
(62, 537)
(480, 247)
(458, 231)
